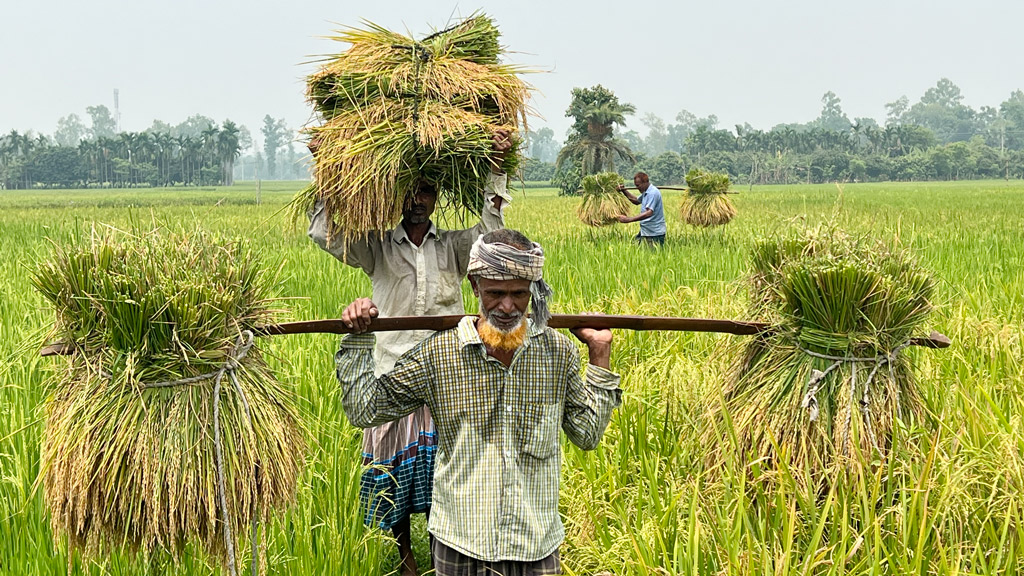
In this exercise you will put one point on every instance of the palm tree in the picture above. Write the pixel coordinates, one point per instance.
(228, 149)
(208, 149)
(596, 150)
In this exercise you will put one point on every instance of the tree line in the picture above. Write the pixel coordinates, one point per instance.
(937, 138)
(196, 152)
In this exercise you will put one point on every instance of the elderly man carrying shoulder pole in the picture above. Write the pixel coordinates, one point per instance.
(500, 386)
(416, 269)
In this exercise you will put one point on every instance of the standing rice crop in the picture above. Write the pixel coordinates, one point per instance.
(827, 385)
(397, 110)
(164, 423)
(602, 203)
(705, 203)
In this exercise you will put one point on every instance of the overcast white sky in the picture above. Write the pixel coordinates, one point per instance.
(758, 61)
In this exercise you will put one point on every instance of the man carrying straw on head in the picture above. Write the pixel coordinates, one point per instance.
(416, 269)
(500, 386)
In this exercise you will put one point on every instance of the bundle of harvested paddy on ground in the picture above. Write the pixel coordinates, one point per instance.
(705, 203)
(129, 450)
(602, 203)
(825, 387)
(396, 110)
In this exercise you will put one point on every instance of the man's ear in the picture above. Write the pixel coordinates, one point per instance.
(472, 284)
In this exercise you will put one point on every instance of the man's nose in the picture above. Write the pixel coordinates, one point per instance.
(507, 305)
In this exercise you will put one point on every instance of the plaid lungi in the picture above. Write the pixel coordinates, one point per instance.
(451, 562)
(399, 474)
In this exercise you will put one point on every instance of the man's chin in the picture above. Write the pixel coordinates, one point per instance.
(500, 337)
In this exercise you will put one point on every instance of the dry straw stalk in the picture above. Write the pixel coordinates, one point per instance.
(398, 110)
(601, 203)
(827, 387)
(126, 464)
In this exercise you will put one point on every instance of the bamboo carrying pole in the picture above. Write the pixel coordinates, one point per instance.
(570, 321)
(580, 191)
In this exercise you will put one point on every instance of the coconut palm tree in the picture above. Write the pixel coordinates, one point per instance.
(228, 149)
(596, 149)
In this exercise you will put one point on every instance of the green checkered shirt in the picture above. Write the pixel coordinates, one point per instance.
(499, 458)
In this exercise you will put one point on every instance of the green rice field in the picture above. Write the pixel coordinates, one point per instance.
(948, 500)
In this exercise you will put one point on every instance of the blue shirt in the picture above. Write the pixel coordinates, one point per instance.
(655, 225)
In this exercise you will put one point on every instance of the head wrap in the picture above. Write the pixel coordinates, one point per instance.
(499, 261)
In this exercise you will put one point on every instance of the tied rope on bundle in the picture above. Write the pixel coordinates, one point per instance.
(245, 342)
(810, 400)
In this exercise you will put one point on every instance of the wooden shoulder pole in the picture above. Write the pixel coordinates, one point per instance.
(570, 321)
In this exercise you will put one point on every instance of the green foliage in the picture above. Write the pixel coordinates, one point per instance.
(667, 168)
(592, 146)
(567, 179)
(537, 170)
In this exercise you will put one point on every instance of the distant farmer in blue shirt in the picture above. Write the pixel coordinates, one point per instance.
(652, 216)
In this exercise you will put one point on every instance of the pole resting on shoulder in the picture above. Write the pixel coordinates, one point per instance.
(569, 321)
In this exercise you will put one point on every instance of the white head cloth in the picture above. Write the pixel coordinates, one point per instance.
(499, 261)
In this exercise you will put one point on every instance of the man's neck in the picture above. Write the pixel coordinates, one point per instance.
(416, 232)
(503, 356)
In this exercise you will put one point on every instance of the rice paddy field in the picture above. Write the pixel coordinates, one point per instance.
(948, 500)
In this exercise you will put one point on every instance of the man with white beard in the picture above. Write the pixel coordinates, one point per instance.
(499, 386)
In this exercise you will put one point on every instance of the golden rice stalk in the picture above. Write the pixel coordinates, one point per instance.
(397, 110)
(707, 210)
(601, 203)
(125, 465)
(835, 296)
(702, 181)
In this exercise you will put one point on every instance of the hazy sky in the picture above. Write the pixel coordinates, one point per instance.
(754, 61)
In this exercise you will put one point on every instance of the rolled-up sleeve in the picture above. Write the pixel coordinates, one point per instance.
(370, 401)
(589, 404)
(360, 252)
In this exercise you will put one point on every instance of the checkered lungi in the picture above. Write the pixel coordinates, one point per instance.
(450, 562)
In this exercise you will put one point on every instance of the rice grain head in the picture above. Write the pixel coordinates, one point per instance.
(833, 295)
(601, 204)
(397, 110)
(129, 466)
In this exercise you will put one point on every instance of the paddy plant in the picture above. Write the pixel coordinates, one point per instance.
(164, 425)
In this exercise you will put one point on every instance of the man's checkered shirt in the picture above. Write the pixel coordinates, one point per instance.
(499, 458)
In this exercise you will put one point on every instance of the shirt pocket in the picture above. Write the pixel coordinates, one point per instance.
(540, 430)
(449, 289)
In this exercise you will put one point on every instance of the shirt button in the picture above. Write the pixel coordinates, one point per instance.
(508, 453)
(508, 408)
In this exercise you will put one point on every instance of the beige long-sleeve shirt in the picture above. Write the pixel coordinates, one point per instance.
(410, 280)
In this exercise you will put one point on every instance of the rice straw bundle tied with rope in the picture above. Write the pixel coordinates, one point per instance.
(166, 426)
(705, 203)
(396, 111)
(827, 387)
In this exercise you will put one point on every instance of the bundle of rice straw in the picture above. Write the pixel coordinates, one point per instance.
(705, 204)
(130, 448)
(826, 386)
(602, 203)
(396, 110)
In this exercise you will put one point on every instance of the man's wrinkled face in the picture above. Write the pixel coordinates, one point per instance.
(503, 303)
(641, 185)
(418, 207)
